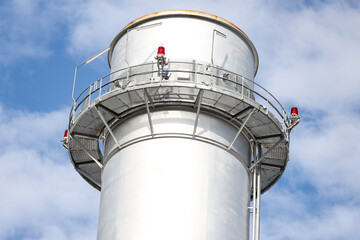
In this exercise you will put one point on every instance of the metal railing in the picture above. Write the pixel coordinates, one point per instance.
(178, 72)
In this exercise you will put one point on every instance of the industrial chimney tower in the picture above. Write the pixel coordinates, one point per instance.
(178, 137)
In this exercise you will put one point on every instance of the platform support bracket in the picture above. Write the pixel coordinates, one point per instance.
(107, 127)
(87, 151)
(266, 153)
(241, 128)
(198, 100)
(149, 98)
(146, 96)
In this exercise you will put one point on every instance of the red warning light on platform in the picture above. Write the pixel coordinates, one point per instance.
(294, 110)
(66, 133)
(161, 50)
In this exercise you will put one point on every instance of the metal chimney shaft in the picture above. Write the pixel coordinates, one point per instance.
(178, 143)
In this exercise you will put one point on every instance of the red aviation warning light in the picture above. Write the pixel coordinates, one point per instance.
(161, 50)
(294, 110)
(66, 134)
(294, 117)
(65, 139)
(161, 62)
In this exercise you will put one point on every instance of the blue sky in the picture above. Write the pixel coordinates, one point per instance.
(309, 57)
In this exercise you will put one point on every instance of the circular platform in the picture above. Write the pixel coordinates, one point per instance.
(192, 86)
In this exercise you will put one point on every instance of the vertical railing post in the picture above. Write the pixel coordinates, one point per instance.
(73, 113)
(90, 90)
(100, 88)
(195, 76)
(73, 90)
(242, 87)
(267, 102)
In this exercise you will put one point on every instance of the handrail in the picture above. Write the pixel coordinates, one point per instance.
(99, 84)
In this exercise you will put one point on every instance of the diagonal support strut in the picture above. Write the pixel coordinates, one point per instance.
(267, 152)
(146, 94)
(149, 98)
(241, 128)
(107, 127)
(87, 151)
(198, 100)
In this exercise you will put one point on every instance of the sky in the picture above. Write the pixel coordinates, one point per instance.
(309, 57)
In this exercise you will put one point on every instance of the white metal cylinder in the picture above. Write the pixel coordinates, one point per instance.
(174, 187)
(171, 181)
(178, 132)
(186, 35)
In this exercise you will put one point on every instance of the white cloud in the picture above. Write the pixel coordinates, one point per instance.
(312, 61)
(21, 27)
(44, 197)
(304, 216)
(318, 197)
(308, 57)
(99, 22)
(328, 152)
(27, 28)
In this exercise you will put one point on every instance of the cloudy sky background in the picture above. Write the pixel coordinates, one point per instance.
(309, 57)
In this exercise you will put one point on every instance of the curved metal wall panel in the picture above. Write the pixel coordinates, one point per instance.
(175, 122)
(184, 38)
(173, 188)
